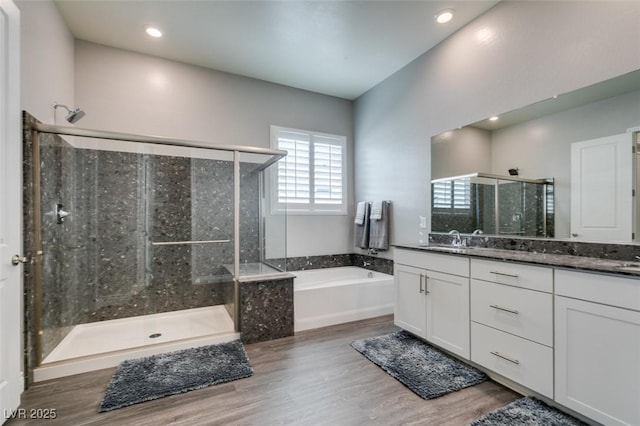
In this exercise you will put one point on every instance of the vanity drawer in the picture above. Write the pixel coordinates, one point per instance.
(446, 263)
(525, 313)
(517, 359)
(526, 276)
(600, 288)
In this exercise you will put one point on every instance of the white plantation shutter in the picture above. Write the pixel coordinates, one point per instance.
(462, 193)
(442, 195)
(327, 171)
(452, 194)
(311, 178)
(294, 177)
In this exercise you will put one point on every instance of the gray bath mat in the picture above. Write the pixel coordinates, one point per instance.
(154, 377)
(425, 370)
(527, 412)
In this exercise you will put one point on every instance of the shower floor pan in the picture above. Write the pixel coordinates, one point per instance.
(104, 344)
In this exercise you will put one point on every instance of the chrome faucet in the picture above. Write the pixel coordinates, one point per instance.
(457, 241)
(365, 264)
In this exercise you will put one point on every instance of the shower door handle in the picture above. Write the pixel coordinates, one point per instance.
(60, 214)
(17, 260)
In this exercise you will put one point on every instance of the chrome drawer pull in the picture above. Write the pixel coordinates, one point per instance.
(506, 358)
(421, 289)
(513, 311)
(504, 273)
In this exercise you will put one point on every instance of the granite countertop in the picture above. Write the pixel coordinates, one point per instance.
(558, 260)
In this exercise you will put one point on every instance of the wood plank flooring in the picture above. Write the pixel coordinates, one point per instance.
(313, 378)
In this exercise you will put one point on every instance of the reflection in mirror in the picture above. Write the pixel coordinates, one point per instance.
(482, 203)
(536, 142)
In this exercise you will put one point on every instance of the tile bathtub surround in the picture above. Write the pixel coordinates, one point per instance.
(318, 262)
(609, 251)
(377, 264)
(266, 309)
(304, 263)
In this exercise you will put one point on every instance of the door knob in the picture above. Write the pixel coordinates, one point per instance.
(17, 259)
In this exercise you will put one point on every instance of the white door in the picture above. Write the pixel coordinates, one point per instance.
(601, 189)
(448, 312)
(597, 360)
(409, 307)
(10, 209)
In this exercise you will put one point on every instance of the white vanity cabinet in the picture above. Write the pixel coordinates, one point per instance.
(569, 335)
(597, 346)
(409, 307)
(432, 298)
(512, 322)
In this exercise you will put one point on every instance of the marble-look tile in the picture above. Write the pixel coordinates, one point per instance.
(377, 264)
(304, 263)
(317, 262)
(29, 296)
(266, 309)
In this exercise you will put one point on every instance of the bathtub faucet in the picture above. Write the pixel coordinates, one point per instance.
(365, 264)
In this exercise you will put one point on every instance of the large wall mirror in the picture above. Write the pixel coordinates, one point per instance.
(563, 168)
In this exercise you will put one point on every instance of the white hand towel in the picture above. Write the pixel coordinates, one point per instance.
(360, 213)
(376, 210)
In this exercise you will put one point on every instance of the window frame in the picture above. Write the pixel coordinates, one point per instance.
(313, 207)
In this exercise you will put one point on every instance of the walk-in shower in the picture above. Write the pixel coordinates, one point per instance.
(138, 243)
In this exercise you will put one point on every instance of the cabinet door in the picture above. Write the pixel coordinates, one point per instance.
(597, 360)
(448, 312)
(409, 306)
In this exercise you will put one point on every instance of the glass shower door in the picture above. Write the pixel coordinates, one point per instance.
(93, 249)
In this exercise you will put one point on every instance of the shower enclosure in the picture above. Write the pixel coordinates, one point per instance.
(139, 243)
(492, 204)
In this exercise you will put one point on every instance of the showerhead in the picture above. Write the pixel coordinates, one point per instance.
(75, 115)
(72, 115)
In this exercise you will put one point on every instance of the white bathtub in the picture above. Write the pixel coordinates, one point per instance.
(331, 296)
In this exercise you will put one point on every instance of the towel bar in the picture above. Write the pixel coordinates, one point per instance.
(178, 243)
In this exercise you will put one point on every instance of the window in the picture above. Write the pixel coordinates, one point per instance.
(452, 194)
(311, 178)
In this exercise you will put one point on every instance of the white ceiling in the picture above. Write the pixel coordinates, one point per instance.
(339, 48)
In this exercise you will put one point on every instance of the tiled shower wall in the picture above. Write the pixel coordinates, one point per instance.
(100, 264)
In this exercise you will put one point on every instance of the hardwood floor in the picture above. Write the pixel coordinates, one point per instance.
(313, 378)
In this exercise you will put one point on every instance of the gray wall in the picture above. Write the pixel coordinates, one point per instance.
(460, 151)
(130, 92)
(515, 54)
(45, 39)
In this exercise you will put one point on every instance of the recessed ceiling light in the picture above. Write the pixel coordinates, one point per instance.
(444, 16)
(153, 32)
(494, 118)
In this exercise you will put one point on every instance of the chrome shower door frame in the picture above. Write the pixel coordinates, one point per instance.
(237, 150)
